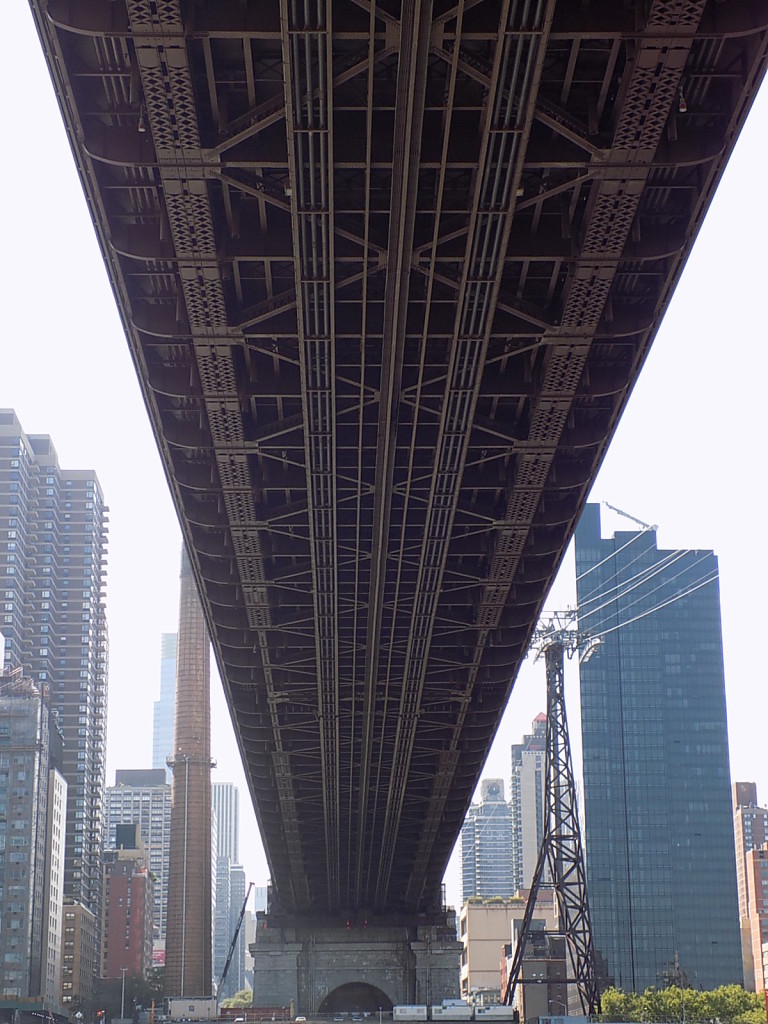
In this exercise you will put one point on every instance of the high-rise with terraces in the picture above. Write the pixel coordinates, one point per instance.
(486, 845)
(53, 541)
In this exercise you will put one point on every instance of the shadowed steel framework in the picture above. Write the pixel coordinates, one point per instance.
(388, 271)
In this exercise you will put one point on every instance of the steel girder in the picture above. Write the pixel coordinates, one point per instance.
(388, 270)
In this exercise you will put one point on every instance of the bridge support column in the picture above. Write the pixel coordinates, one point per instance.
(317, 966)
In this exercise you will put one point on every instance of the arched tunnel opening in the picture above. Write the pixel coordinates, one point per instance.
(356, 998)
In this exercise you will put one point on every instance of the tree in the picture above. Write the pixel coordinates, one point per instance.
(729, 1004)
(242, 998)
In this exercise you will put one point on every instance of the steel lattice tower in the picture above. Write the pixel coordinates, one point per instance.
(561, 846)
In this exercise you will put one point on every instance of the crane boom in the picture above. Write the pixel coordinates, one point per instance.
(627, 515)
(232, 945)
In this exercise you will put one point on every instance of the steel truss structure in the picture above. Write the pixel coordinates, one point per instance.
(561, 849)
(388, 270)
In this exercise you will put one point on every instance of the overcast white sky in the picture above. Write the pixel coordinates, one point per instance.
(688, 456)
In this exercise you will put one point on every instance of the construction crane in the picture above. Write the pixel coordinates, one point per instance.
(627, 515)
(232, 945)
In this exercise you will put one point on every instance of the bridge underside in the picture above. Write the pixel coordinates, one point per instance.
(389, 270)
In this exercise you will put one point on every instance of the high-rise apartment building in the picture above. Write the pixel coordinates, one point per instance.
(237, 889)
(53, 539)
(126, 926)
(162, 718)
(226, 810)
(80, 965)
(750, 825)
(32, 826)
(658, 822)
(757, 916)
(142, 796)
(526, 802)
(486, 845)
(221, 919)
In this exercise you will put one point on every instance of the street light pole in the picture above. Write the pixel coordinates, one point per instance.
(122, 995)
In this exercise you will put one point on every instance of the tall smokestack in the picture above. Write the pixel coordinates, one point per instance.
(188, 960)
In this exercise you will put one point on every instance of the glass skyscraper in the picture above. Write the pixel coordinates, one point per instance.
(658, 820)
(165, 707)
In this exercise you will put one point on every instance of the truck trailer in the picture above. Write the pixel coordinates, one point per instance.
(192, 1008)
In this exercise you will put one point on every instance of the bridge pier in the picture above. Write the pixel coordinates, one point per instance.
(330, 966)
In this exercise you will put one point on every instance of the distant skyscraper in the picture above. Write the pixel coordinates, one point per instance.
(526, 802)
(53, 540)
(221, 918)
(658, 821)
(237, 888)
(162, 719)
(143, 797)
(188, 959)
(230, 887)
(226, 810)
(486, 845)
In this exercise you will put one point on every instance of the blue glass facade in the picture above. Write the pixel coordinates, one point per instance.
(658, 820)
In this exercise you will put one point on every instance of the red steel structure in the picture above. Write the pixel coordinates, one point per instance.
(388, 270)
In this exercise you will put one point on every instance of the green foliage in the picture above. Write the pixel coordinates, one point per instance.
(729, 1004)
(242, 998)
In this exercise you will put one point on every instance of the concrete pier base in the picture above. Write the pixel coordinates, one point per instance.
(354, 966)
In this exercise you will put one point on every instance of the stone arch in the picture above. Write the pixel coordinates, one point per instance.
(356, 997)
